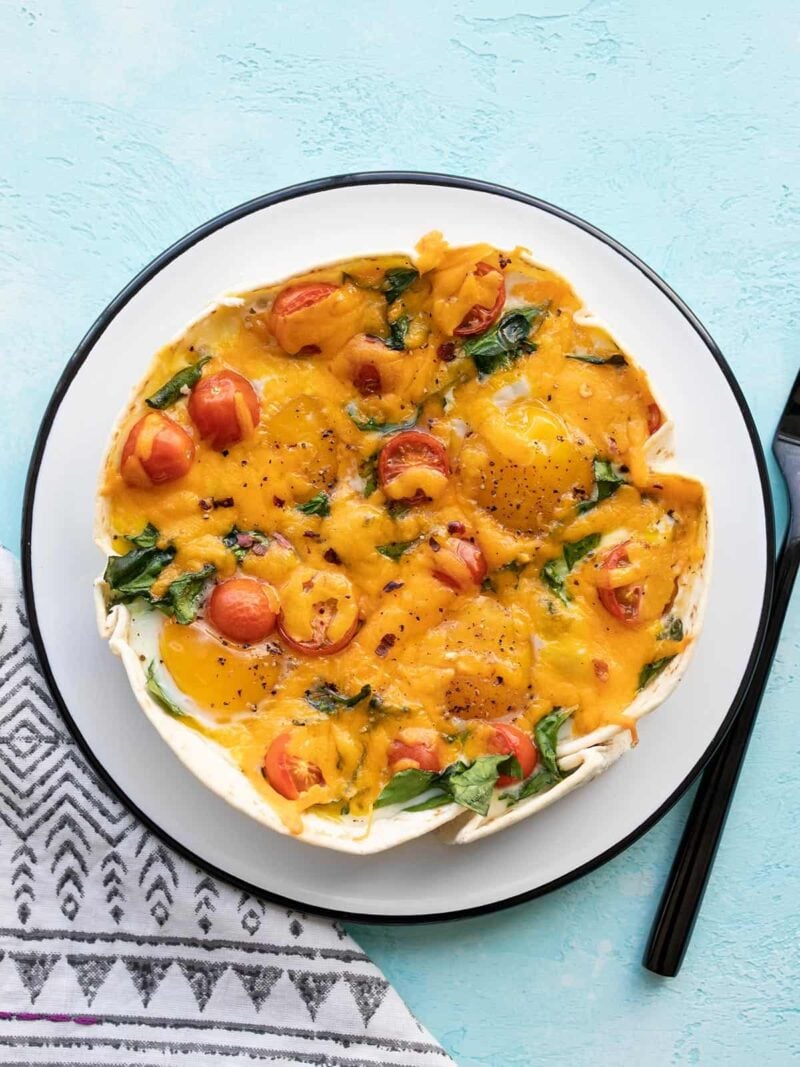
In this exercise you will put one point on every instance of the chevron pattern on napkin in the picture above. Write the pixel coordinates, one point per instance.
(115, 950)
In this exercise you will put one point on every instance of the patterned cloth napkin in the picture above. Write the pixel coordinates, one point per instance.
(115, 950)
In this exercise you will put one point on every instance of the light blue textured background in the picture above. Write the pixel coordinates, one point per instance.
(673, 126)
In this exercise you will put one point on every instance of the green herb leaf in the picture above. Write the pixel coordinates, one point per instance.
(398, 330)
(607, 480)
(176, 387)
(182, 597)
(672, 630)
(615, 360)
(652, 670)
(405, 785)
(132, 575)
(471, 784)
(537, 783)
(234, 535)
(545, 734)
(435, 801)
(146, 539)
(555, 572)
(373, 425)
(515, 566)
(158, 694)
(396, 281)
(505, 342)
(368, 469)
(325, 697)
(320, 504)
(395, 549)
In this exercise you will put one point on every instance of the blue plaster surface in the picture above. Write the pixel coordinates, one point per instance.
(673, 126)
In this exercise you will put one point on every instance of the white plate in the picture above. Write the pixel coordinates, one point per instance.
(264, 241)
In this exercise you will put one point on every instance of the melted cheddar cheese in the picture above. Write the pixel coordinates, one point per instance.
(444, 659)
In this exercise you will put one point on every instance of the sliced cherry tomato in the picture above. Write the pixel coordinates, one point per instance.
(156, 450)
(510, 740)
(294, 337)
(479, 318)
(460, 563)
(244, 609)
(367, 380)
(320, 614)
(408, 452)
(623, 602)
(654, 418)
(224, 408)
(414, 749)
(297, 297)
(287, 774)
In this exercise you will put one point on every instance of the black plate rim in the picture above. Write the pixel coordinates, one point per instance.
(291, 192)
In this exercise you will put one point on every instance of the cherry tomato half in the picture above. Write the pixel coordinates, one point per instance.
(654, 418)
(288, 302)
(510, 740)
(414, 749)
(410, 453)
(156, 450)
(319, 615)
(224, 408)
(289, 775)
(460, 563)
(624, 601)
(243, 609)
(367, 379)
(479, 318)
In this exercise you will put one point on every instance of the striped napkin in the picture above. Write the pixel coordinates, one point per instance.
(115, 950)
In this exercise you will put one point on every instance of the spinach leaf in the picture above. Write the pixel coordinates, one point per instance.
(471, 784)
(405, 785)
(555, 572)
(607, 480)
(131, 576)
(148, 538)
(505, 342)
(435, 801)
(320, 504)
(178, 384)
(537, 783)
(576, 550)
(325, 697)
(515, 566)
(368, 469)
(545, 734)
(395, 549)
(398, 331)
(672, 630)
(615, 360)
(373, 425)
(397, 508)
(652, 670)
(240, 542)
(158, 694)
(396, 281)
(182, 597)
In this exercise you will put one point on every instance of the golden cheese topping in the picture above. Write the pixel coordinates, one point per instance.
(388, 508)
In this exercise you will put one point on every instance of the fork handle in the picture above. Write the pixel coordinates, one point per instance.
(683, 893)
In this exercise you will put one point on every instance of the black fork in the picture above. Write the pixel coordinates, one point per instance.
(691, 868)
